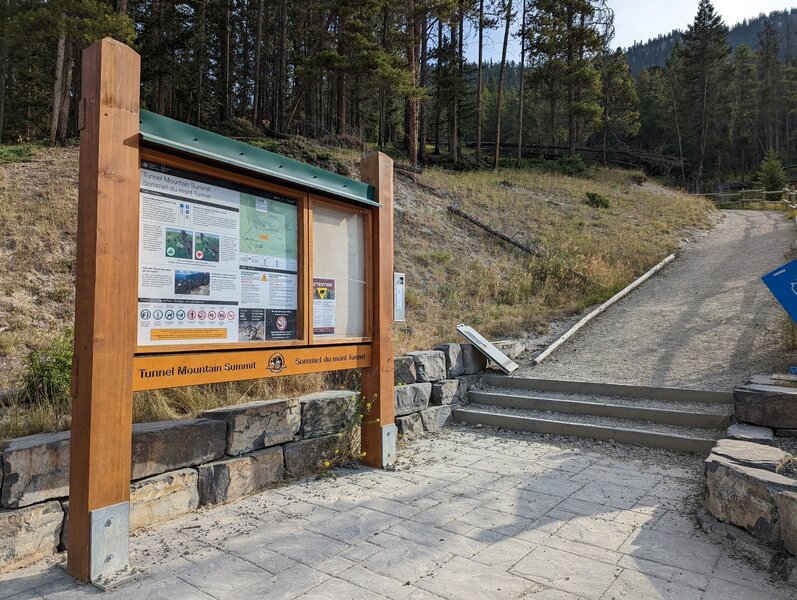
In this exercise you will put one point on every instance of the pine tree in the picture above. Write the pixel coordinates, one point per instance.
(619, 101)
(771, 174)
(770, 85)
(744, 105)
(508, 16)
(702, 85)
(568, 36)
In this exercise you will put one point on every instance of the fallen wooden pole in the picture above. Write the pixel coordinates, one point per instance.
(602, 308)
(533, 251)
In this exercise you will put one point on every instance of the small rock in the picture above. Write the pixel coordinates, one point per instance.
(410, 426)
(436, 417)
(751, 433)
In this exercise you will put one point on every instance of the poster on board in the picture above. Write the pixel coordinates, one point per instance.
(324, 306)
(218, 262)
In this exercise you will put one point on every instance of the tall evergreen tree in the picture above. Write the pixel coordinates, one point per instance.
(619, 101)
(703, 82)
(770, 86)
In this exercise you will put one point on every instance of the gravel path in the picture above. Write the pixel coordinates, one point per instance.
(706, 321)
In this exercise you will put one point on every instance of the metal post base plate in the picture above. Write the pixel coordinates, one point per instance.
(109, 558)
(389, 436)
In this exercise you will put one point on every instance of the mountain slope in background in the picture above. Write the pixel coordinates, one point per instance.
(658, 50)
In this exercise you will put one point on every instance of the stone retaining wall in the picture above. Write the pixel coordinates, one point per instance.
(429, 384)
(225, 454)
(178, 466)
(749, 485)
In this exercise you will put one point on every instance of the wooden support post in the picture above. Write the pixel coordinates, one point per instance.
(378, 428)
(105, 308)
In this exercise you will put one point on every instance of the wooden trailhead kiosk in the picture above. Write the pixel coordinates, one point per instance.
(201, 259)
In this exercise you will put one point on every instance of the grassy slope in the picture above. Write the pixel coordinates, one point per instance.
(456, 272)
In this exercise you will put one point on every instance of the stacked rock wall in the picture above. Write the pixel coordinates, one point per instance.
(430, 383)
(749, 486)
(177, 467)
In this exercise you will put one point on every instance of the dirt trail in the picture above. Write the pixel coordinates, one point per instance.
(706, 321)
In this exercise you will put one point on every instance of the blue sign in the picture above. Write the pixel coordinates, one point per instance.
(782, 282)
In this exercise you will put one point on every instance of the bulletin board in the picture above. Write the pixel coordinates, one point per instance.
(199, 258)
(230, 261)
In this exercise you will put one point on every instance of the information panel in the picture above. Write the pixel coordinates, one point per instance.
(218, 262)
(339, 275)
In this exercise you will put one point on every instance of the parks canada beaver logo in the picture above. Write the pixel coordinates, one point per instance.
(276, 363)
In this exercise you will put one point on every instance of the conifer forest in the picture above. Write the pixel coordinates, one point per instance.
(412, 78)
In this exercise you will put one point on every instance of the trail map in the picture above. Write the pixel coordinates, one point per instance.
(268, 228)
(218, 262)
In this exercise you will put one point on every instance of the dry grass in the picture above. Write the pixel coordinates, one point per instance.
(38, 221)
(456, 272)
(23, 417)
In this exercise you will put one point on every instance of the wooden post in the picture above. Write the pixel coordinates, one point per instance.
(378, 428)
(105, 303)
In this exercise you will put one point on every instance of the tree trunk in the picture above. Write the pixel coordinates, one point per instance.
(200, 61)
(522, 84)
(452, 119)
(678, 132)
(226, 81)
(424, 117)
(479, 84)
(4, 16)
(703, 130)
(501, 86)
(258, 51)
(63, 113)
(571, 89)
(121, 7)
(460, 76)
(412, 100)
(59, 78)
(340, 84)
(439, 92)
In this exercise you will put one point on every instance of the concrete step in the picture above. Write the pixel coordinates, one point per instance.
(609, 389)
(706, 416)
(644, 433)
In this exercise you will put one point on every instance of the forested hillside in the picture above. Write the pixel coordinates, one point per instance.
(394, 76)
(657, 51)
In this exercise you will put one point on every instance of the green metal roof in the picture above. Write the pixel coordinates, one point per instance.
(162, 131)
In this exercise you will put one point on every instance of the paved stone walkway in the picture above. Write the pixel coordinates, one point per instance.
(470, 513)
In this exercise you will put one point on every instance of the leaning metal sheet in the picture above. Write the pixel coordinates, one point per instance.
(486, 348)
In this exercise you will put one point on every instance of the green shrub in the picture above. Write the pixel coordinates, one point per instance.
(573, 166)
(19, 153)
(47, 371)
(595, 200)
(638, 178)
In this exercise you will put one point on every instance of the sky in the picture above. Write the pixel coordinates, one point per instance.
(640, 20)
